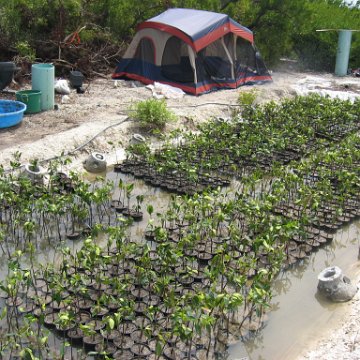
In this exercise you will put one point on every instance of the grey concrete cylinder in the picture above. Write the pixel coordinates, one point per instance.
(137, 139)
(34, 173)
(95, 163)
(335, 286)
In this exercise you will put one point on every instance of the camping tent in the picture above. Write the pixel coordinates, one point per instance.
(195, 50)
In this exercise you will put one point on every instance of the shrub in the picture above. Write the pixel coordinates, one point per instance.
(247, 98)
(152, 113)
(25, 51)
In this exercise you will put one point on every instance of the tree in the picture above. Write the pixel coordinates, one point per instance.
(281, 27)
(317, 50)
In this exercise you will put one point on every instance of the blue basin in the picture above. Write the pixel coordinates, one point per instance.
(11, 113)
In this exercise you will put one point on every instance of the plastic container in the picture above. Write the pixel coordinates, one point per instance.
(6, 73)
(76, 79)
(32, 100)
(43, 79)
(11, 113)
(343, 52)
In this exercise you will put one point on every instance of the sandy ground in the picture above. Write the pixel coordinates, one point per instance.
(105, 103)
(341, 343)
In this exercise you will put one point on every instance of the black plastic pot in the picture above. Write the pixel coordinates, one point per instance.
(172, 353)
(155, 181)
(107, 348)
(111, 335)
(152, 300)
(63, 329)
(123, 342)
(141, 350)
(50, 319)
(85, 304)
(27, 308)
(139, 293)
(73, 235)
(96, 324)
(45, 299)
(7, 70)
(136, 215)
(149, 235)
(92, 340)
(204, 258)
(82, 317)
(113, 306)
(76, 79)
(75, 335)
(57, 305)
(186, 280)
(127, 328)
(117, 167)
(39, 311)
(140, 308)
(123, 354)
(98, 311)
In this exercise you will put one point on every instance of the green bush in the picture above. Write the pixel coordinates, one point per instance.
(152, 113)
(247, 98)
(25, 50)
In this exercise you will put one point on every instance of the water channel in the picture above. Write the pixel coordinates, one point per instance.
(298, 316)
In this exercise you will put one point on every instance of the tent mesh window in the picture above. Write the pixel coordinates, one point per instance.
(175, 64)
(245, 54)
(215, 61)
(145, 51)
(248, 59)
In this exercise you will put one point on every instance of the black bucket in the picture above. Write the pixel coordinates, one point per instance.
(76, 79)
(7, 70)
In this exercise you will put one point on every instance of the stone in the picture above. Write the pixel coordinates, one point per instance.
(335, 286)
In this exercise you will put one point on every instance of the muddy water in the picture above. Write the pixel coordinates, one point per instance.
(298, 316)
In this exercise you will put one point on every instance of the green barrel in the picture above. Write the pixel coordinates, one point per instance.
(31, 98)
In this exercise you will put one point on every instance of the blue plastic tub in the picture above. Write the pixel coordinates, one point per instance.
(11, 113)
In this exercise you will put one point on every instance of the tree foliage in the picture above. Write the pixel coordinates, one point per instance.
(281, 27)
(274, 23)
(317, 50)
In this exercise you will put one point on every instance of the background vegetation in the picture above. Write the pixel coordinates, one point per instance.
(47, 29)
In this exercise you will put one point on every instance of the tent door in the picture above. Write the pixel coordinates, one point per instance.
(145, 50)
(175, 63)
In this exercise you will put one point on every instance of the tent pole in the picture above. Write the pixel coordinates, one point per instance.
(234, 46)
(192, 61)
(229, 57)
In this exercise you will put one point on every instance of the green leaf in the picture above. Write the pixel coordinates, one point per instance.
(111, 323)
(158, 348)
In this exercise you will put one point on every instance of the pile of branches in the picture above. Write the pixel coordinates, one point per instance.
(92, 59)
(96, 57)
